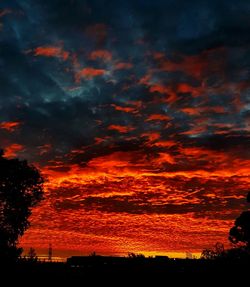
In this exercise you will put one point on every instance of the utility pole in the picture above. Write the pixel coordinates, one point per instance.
(50, 253)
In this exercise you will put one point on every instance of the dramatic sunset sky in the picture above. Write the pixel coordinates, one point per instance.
(137, 112)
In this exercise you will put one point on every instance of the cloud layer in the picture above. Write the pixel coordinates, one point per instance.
(137, 112)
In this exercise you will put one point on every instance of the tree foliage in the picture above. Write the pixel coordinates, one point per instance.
(21, 188)
(240, 232)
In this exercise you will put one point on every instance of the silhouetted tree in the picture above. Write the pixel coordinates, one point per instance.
(240, 232)
(219, 248)
(248, 197)
(21, 188)
(208, 254)
(236, 253)
(213, 253)
(133, 255)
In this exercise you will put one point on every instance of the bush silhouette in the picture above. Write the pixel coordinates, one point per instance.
(21, 188)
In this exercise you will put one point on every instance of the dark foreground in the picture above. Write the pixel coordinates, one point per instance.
(127, 272)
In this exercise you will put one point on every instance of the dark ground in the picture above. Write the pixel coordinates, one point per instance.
(130, 272)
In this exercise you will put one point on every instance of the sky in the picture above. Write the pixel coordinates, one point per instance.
(136, 112)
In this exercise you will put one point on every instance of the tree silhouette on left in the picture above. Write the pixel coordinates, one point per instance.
(21, 188)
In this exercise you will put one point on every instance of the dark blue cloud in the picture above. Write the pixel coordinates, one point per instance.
(42, 91)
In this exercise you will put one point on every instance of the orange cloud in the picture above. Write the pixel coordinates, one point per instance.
(108, 191)
(166, 143)
(124, 109)
(12, 150)
(164, 158)
(116, 159)
(121, 129)
(123, 66)
(202, 153)
(121, 189)
(51, 51)
(89, 73)
(10, 126)
(101, 54)
(152, 136)
(158, 117)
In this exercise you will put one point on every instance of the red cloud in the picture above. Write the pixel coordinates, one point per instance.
(137, 104)
(89, 73)
(100, 54)
(9, 126)
(4, 12)
(75, 61)
(43, 149)
(121, 129)
(200, 110)
(11, 150)
(99, 140)
(195, 65)
(123, 66)
(50, 51)
(98, 32)
(158, 117)
(198, 66)
(172, 97)
(195, 130)
(186, 88)
(216, 109)
(169, 90)
(191, 111)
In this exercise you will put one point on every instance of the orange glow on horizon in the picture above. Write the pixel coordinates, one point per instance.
(85, 213)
